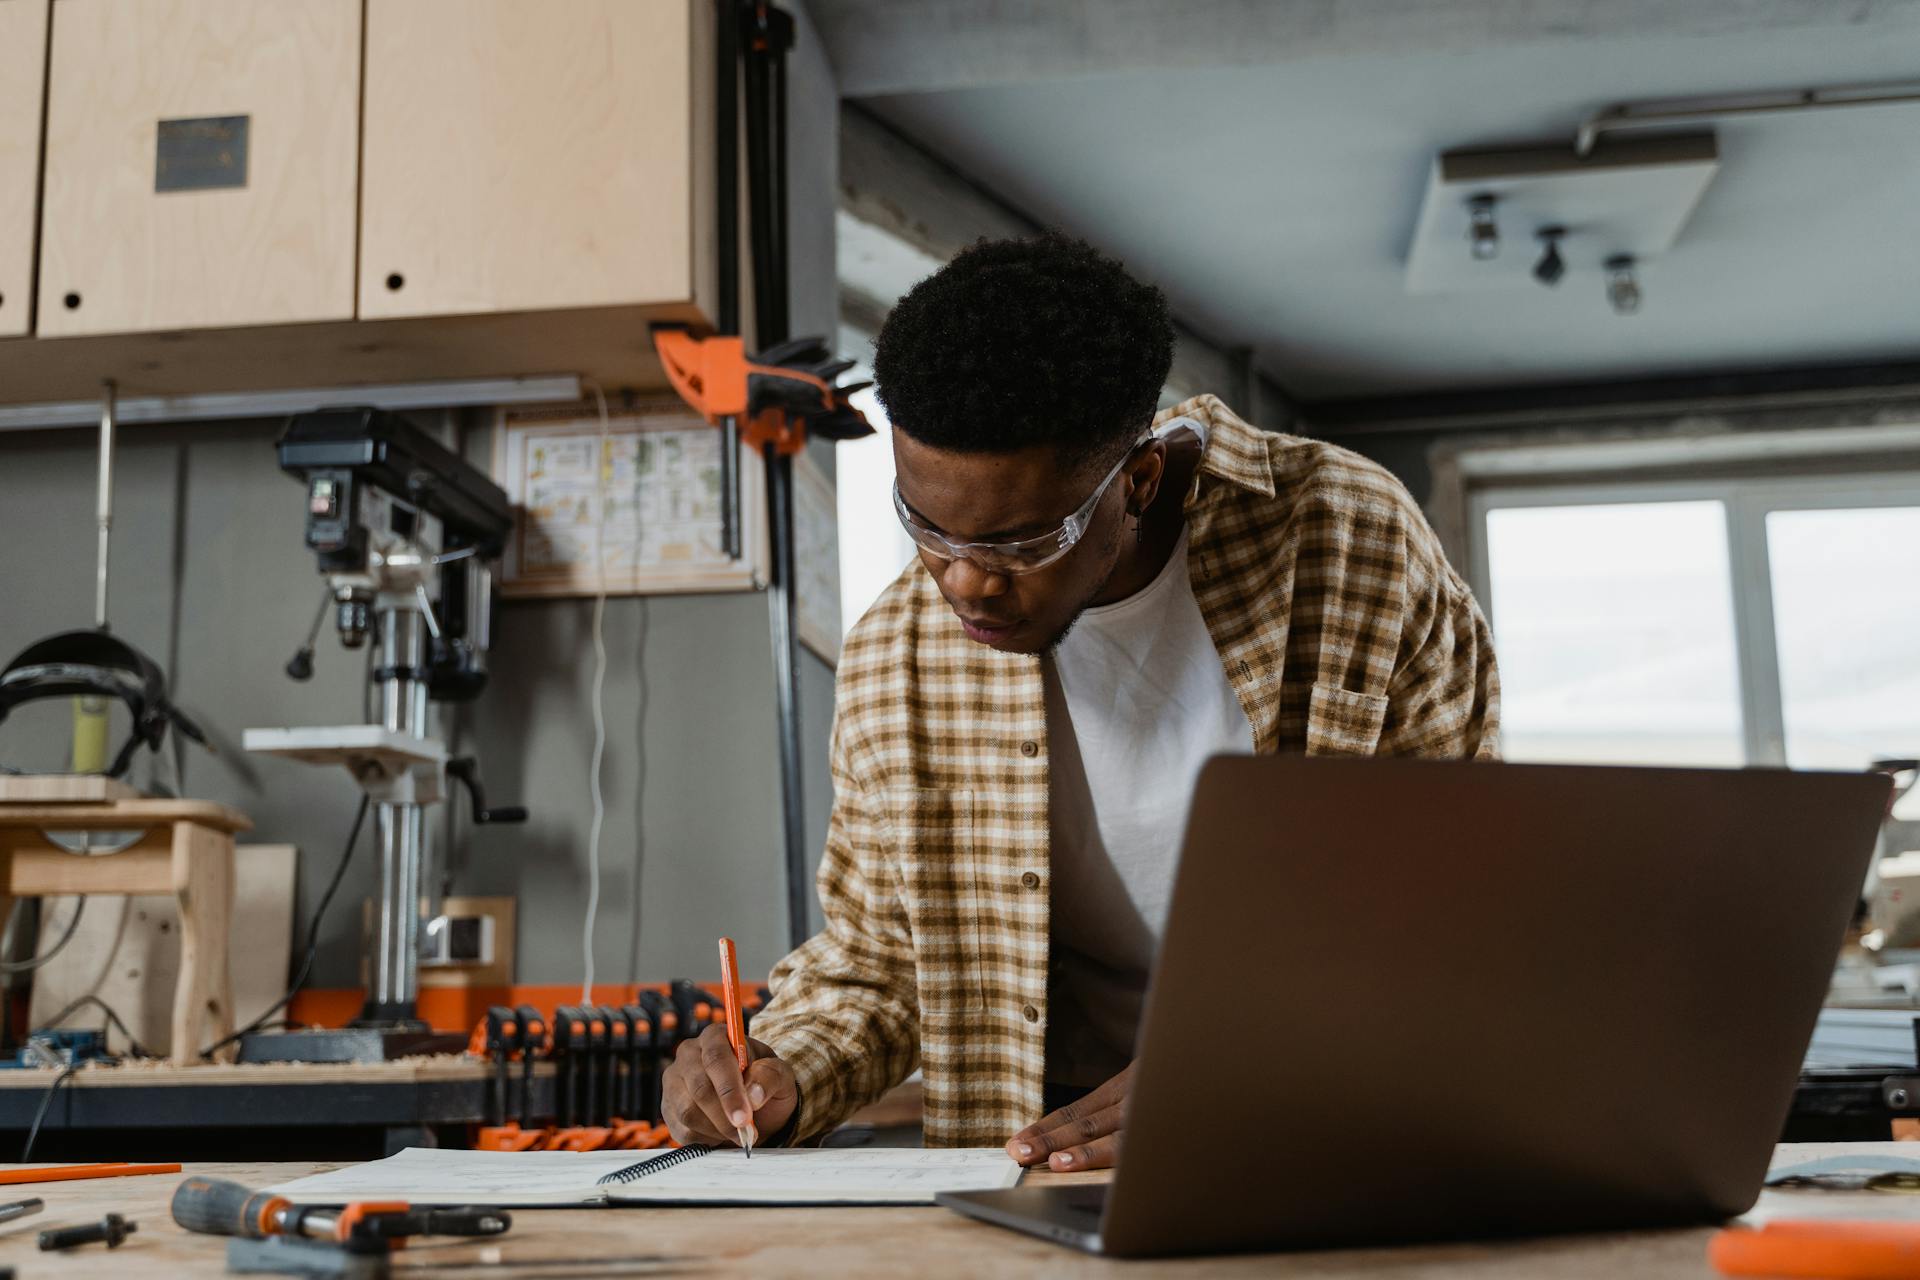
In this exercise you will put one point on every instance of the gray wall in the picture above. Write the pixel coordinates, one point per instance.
(691, 781)
(211, 578)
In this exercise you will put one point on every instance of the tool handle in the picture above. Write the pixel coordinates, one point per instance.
(1818, 1250)
(110, 1231)
(217, 1207)
(464, 1220)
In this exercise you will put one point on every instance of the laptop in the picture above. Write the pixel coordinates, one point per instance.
(1404, 1000)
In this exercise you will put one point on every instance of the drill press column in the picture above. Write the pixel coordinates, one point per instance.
(399, 826)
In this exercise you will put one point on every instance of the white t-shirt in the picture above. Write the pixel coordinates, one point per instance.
(1136, 702)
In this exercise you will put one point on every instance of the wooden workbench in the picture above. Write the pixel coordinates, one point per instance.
(849, 1244)
(184, 850)
(340, 1110)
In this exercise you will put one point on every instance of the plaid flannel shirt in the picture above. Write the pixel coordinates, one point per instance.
(1341, 628)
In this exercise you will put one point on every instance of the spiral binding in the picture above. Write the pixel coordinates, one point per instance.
(633, 1173)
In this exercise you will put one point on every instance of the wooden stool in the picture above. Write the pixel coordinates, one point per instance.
(185, 850)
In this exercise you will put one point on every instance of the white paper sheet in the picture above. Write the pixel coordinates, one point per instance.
(505, 1179)
(860, 1175)
(533, 1179)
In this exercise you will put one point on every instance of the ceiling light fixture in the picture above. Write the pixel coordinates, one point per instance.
(1551, 265)
(1483, 231)
(1635, 195)
(1623, 284)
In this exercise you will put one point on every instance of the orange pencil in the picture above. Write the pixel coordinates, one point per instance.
(1830, 1250)
(736, 1027)
(75, 1172)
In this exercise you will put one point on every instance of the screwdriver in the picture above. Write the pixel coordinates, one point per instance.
(20, 1209)
(214, 1206)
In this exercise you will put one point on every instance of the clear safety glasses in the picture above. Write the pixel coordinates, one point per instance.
(1025, 555)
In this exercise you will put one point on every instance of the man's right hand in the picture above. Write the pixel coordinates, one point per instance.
(704, 1099)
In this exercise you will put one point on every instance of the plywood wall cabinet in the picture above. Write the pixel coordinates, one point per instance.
(120, 254)
(23, 62)
(524, 155)
(537, 187)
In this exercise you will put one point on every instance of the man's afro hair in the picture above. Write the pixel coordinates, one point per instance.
(1017, 343)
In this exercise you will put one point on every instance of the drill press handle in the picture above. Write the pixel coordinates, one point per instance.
(467, 770)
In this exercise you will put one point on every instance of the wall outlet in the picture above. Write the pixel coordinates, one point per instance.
(469, 944)
(457, 942)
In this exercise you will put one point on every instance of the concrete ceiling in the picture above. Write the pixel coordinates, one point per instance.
(1264, 162)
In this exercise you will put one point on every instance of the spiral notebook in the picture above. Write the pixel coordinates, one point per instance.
(686, 1175)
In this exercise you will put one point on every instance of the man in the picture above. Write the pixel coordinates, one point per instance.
(1103, 599)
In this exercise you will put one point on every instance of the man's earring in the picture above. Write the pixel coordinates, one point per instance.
(1140, 528)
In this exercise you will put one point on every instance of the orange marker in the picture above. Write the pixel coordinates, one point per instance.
(736, 1028)
(1830, 1250)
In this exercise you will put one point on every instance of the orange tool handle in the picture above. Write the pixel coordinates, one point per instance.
(730, 997)
(351, 1217)
(75, 1172)
(582, 1138)
(217, 1207)
(509, 1137)
(1819, 1250)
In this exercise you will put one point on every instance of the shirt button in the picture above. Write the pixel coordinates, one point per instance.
(1030, 880)
(1029, 748)
(1030, 1013)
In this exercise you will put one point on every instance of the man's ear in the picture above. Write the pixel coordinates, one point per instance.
(1144, 475)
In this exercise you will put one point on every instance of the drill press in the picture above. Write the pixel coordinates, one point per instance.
(404, 531)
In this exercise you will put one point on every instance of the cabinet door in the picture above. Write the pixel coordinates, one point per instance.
(23, 64)
(527, 155)
(201, 164)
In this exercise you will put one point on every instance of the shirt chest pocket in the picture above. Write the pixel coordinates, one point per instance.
(940, 878)
(1341, 722)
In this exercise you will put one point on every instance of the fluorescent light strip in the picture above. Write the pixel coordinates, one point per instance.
(269, 404)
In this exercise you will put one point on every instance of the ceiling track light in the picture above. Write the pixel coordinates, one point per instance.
(1635, 196)
(1670, 112)
(1551, 265)
(1483, 230)
(1623, 284)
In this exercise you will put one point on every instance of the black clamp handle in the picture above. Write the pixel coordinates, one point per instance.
(462, 1220)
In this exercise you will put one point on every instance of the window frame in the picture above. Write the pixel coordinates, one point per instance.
(1747, 503)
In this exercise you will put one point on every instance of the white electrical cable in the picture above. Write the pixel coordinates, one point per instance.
(9, 967)
(600, 464)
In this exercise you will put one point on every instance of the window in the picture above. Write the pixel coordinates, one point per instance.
(873, 546)
(1728, 623)
(1847, 625)
(1615, 628)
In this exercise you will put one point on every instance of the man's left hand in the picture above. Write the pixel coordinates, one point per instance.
(1080, 1135)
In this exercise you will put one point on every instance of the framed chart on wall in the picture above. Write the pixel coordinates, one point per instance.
(638, 507)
